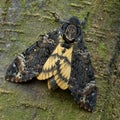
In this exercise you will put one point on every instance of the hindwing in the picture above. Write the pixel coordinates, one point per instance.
(58, 66)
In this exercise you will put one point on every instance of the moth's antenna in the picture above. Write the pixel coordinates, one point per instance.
(57, 18)
(85, 20)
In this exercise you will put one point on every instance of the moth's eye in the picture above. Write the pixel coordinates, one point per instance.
(71, 32)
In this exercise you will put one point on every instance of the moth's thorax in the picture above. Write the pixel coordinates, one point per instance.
(63, 43)
(71, 30)
(70, 33)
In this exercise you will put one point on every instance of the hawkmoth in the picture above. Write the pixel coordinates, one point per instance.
(61, 58)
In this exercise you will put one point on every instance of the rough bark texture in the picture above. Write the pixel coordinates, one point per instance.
(21, 23)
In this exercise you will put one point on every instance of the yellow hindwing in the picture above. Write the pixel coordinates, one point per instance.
(58, 66)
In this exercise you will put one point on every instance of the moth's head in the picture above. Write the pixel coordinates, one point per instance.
(71, 29)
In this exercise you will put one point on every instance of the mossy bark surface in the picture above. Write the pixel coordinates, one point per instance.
(21, 23)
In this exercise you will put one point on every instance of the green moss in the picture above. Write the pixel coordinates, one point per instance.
(5, 4)
(23, 3)
(9, 24)
(76, 5)
(2, 91)
(102, 49)
(87, 3)
(2, 50)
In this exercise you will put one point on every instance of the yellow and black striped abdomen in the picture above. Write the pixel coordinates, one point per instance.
(58, 66)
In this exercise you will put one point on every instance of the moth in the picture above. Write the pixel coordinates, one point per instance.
(61, 58)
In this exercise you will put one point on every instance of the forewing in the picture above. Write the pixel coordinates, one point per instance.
(82, 82)
(30, 63)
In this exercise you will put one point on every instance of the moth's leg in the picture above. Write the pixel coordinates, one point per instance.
(52, 84)
(88, 96)
(55, 16)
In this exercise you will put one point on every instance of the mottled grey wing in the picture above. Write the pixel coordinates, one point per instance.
(29, 64)
(82, 82)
